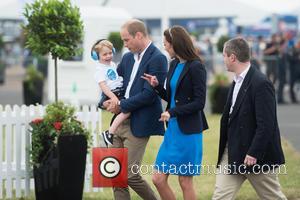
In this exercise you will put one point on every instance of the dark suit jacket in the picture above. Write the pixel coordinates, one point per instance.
(189, 96)
(252, 126)
(143, 103)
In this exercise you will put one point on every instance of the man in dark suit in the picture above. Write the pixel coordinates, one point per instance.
(250, 145)
(141, 101)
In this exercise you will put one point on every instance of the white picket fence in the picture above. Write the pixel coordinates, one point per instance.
(16, 178)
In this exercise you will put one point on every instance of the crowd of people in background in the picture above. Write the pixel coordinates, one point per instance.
(278, 57)
(281, 57)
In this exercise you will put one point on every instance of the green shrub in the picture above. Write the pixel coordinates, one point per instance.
(221, 42)
(220, 80)
(59, 120)
(33, 76)
(115, 38)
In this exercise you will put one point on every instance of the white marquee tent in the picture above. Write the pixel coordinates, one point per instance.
(244, 14)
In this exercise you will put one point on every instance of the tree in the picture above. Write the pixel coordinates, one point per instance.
(115, 38)
(55, 27)
(1, 42)
(221, 42)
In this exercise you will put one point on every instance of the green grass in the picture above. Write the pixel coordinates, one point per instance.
(204, 184)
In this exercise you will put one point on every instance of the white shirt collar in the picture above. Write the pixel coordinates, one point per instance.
(142, 53)
(241, 77)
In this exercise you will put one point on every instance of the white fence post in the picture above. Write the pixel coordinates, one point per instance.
(15, 141)
(18, 150)
(26, 113)
(8, 151)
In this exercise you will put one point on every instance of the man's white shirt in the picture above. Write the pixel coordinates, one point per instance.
(137, 60)
(238, 79)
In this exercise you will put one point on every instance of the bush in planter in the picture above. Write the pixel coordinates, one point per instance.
(42, 65)
(116, 40)
(221, 42)
(2, 71)
(218, 92)
(33, 86)
(40, 61)
(58, 152)
(2, 64)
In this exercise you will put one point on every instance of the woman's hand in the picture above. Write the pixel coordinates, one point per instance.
(152, 80)
(165, 116)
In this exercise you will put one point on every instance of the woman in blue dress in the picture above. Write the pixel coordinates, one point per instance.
(181, 151)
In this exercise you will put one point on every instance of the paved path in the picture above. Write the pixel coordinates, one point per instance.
(289, 123)
(11, 90)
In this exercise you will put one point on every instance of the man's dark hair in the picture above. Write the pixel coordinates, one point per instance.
(239, 47)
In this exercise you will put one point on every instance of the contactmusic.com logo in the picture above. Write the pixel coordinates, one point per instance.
(110, 167)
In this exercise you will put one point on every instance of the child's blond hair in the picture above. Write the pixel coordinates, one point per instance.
(103, 43)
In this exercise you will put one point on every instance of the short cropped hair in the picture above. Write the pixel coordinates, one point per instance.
(133, 26)
(239, 47)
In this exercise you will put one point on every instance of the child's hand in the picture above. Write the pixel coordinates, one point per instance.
(115, 100)
(106, 104)
(152, 80)
(112, 106)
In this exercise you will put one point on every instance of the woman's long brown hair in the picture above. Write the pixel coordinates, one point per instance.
(182, 43)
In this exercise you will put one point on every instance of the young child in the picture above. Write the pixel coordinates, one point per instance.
(110, 83)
